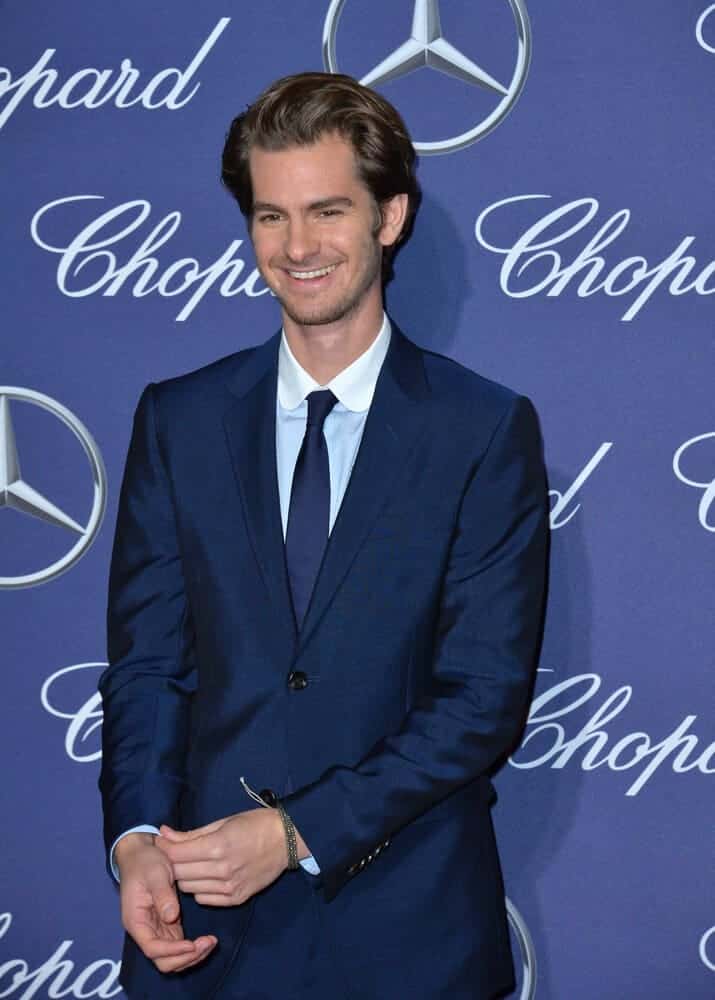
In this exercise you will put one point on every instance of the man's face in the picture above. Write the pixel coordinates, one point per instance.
(315, 230)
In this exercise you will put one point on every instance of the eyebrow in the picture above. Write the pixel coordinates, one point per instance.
(266, 206)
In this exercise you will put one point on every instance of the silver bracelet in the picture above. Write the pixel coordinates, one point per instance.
(291, 841)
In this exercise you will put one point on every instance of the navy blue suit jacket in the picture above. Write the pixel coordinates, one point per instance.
(418, 647)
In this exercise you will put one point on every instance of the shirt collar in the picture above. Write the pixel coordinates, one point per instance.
(354, 386)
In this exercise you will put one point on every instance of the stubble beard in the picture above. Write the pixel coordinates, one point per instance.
(322, 315)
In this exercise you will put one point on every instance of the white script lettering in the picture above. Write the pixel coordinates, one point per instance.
(91, 88)
(83, 721)
(532, 251)
(708, 46)
(628, 751)
(707, 486)
(635, 749)
(99, 979)
(708, 962)
(87, 267)
(562, 500)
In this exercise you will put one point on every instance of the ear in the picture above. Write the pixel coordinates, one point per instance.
(394, 213)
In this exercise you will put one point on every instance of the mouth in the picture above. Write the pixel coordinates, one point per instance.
(311, 278)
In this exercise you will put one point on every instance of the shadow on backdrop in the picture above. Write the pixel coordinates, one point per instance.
(537, 809)
(427, 294)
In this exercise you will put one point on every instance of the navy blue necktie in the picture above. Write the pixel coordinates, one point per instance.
(309, 510)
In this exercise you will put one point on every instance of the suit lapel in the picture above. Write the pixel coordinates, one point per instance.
(391, 431)
(250, 425)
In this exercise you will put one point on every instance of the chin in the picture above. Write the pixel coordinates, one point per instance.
(318, 315)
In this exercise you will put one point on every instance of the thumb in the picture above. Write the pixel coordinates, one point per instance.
(179, 837)
(174, 835)
(166, 903)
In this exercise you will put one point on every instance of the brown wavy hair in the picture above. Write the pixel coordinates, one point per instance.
(298, 110)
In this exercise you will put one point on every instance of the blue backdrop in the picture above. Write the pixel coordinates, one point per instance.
(565, 248)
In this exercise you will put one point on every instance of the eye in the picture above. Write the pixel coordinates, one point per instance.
(268, 217)
(327, 213)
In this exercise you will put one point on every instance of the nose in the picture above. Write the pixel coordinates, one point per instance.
(301, 241)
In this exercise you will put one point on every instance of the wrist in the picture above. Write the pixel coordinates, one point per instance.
(279, 834)
(131, 842)
(303, 849)
(290, 837)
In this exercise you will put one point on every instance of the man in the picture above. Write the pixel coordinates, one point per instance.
(325, 599)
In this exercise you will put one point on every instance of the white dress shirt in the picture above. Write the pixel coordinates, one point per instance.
(354, 388)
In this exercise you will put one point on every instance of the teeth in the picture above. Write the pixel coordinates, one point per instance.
(304, 275)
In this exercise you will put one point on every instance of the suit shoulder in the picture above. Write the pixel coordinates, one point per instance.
(208, 379)
(451, 380)
(206, 375)
(477, 410)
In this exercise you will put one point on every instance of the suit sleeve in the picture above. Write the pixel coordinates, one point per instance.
(148, 685)
(487, 634)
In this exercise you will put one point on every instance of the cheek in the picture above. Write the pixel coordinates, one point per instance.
(268, 257)
(261, 247)
(266, 241)
(358, 244)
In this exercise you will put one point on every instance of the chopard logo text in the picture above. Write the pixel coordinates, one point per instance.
(706, 43)
(548, 742)
(57, 976)
(696, 446)
(708, 959)
(88, 267)
(91, 88)
(558, 516)
(82, 738)
(532, 266)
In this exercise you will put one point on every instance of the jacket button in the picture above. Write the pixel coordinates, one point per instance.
(297, 680)
(268, 796)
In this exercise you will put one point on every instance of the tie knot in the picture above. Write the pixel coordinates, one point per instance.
(320, 403)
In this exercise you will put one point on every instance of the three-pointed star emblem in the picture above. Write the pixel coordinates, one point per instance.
(427, 47)
(14, 491)
(19, 494)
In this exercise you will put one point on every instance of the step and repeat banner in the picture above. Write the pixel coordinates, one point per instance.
(565, 246)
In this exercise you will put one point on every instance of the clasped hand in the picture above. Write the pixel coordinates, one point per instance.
(229, 860)
(221, 864)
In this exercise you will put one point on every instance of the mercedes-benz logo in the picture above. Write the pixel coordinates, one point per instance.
(18, 494)
(428, 47)
(528, 952)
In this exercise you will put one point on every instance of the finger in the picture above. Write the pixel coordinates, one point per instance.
(180, 965)
(201, 948)
(218, 887)
(153, 935)
(204, 948)
(157, 948)
(219, 870)
(179, 836)
(215, 899)
(174, 836)
(202, 848)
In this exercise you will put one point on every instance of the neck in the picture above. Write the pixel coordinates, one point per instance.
(325, 349)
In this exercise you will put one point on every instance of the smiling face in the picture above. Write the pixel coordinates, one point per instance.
(318, 234)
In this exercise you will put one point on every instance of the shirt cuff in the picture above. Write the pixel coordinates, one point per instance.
(310, 865)
(145, 828)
